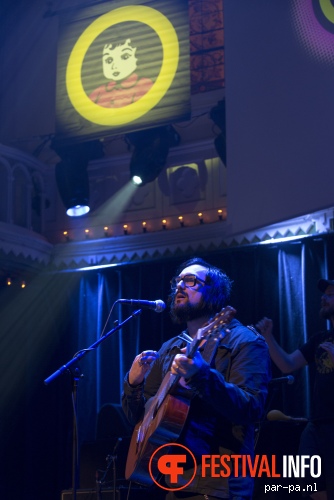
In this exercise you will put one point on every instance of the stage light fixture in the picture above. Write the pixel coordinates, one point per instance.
(150, 150)
(72, 176)
(218, 116)
(73, 186)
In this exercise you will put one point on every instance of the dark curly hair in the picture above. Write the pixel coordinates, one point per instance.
(217, 293)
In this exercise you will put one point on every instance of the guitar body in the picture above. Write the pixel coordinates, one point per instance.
(165, 426)
(166, 413)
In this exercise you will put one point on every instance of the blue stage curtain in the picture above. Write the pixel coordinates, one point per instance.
(66, 312)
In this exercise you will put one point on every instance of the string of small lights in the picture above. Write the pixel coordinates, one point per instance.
(15, 282)
(96, 232)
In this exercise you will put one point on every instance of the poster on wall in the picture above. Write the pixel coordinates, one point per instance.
(122, 67)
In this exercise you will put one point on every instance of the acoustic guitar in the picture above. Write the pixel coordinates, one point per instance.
(166, 413)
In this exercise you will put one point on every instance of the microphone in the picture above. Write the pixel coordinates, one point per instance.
(289, 379)
(156, 305)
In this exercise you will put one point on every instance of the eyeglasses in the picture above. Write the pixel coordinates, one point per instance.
(328, 295)
(189, 280)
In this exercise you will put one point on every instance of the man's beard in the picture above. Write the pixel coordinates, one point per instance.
(326, 312)
(181, 313)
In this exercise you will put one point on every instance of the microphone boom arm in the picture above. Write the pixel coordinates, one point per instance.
(83, 352)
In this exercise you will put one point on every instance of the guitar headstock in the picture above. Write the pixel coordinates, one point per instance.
(220, 320)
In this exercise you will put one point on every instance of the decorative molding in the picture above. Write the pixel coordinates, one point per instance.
(182, 154)
(182, 241)
(28, 246)
(23, 248)
(13, 156)
(23, 242)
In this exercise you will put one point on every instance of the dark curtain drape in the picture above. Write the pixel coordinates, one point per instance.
(278, 281)
(63, 313)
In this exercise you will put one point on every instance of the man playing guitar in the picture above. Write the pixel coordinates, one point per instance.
(223, 384)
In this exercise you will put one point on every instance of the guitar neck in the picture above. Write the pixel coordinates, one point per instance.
(193, 346)
(171, 380)
(209, 330)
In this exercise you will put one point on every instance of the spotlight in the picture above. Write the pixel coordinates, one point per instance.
(73, 187)
(150, 152)
(136, 179)
(72, 177)
(218, 116)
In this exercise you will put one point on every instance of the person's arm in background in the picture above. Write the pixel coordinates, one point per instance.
(286, 362)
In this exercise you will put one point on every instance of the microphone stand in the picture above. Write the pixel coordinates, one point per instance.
(75, 383)
(111, 460)
(265, 411)
(75, 379)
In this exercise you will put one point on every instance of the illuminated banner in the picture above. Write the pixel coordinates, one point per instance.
(122, 67)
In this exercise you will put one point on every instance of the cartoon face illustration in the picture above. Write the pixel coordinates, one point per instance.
(119, 61)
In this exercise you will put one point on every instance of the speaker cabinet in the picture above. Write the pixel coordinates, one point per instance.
(136, 493)
(89, 495)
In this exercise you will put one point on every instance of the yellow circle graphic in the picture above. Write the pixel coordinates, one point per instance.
(120, 116)
(328, 9)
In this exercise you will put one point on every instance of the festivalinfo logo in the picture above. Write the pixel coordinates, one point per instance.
(175, 460)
